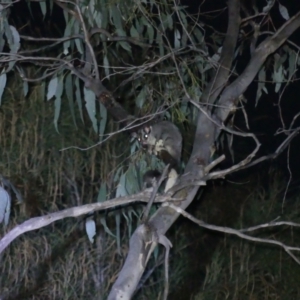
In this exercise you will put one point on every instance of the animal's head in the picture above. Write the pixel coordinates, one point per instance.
(143, 135)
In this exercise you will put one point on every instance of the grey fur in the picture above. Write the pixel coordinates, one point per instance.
(163, 135)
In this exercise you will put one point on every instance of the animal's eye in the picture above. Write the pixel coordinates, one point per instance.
(145, 135)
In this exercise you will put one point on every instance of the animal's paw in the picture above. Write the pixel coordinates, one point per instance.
(159, 146)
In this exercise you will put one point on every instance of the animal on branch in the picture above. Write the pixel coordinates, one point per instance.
(164, 140)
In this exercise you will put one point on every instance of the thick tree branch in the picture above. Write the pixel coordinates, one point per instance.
(42, 221)
(216, 85)
(231, 94)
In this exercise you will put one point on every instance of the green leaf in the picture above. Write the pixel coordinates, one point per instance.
(43, 8)
(278, 77)
(78, 98)
(57, 102)
(141, 97)
(121, 188)
(124, 45)
(115, 16)
(103, 120)
(5, 204)
(117, 175)
(261, 84)
(102, 193)
(52, 86)
(68, 28)
(3, 79)
(118, 232)
(106, 66)
(106, 229)
(90, 228)
(25, 88)
(133, 32)
(69, 92)
(292, 63)
(90, 104)
(177, 39)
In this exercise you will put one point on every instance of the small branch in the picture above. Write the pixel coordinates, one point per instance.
(229, 230)
(154, 192)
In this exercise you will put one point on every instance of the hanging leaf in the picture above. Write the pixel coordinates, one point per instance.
(292, 63)
(103, 120)
(69, 92)
(133, 32)
(261, 84)
(78, 98)
(15, 43)
(278, 77)
(67, 32)
(118, 232)
(117, 175)
(52, 86)
(121, 189)
(102, 193)
(106, 229)
(106, 66)
(90, 228)
(115, 17)
(269, 5)
(57, 102)
(90, 104)
(43, 8)
(177, 38)
(5, 203)
(3, 79)
(131, 184)
(124, 45)
(141, 97)
(284, 12)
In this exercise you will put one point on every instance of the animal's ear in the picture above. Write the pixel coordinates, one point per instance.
(147, 129)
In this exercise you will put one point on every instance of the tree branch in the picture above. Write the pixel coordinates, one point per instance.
(42, 221)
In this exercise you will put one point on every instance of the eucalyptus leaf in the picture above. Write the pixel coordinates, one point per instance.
(115, 16)
(5, 204)
(69, 92)
(103, 120)
(78, 98)
(278, 78)
(133, 32)
(124, 45)
(90, 104)
(57, 102)
(90, 228)
(43, 8)
(141, 98)
(121, 188)
(3, 79)
(118, 232)
(102, 193)
(284, 12)
(106, 66)
(15, 45)
(261, 84)
(106, 229)
(25, 88)
(177, 39)
(52, 86)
